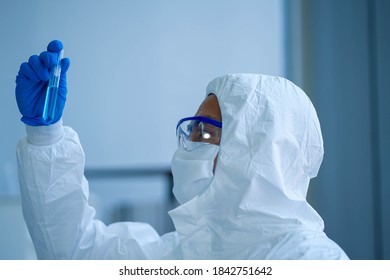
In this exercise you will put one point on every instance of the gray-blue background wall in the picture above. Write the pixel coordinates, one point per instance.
(339, 53)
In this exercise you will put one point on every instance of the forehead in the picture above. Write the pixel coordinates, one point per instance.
(210, 108)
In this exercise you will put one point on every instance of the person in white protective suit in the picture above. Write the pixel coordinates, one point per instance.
(241, 174)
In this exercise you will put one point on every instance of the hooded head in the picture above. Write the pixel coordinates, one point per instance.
(271, 145)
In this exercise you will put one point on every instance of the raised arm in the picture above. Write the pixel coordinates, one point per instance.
(53, 187)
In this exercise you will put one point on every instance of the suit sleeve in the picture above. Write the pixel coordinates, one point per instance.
(55, 204)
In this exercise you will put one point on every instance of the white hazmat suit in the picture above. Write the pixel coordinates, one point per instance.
(254, 208)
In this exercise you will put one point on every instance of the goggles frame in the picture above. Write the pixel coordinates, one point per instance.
(201, 119)
(183, 141)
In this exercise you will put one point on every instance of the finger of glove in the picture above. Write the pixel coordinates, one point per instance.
(27, 71)
(39, 68)
(49, 59)
(65, 63)
(55, 46)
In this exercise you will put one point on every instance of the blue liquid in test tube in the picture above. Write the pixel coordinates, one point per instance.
(52, 92)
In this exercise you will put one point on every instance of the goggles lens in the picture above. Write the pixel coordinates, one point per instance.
(195, 131)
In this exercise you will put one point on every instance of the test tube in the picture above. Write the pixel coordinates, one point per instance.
(52, 91)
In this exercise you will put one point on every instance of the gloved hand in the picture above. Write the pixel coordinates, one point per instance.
(31, 85)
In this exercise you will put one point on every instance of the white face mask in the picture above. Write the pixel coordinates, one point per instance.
(193, 171)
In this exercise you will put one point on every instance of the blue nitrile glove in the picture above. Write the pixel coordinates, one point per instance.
(31, 85)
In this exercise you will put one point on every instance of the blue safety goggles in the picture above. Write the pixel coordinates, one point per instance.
(194, 131)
